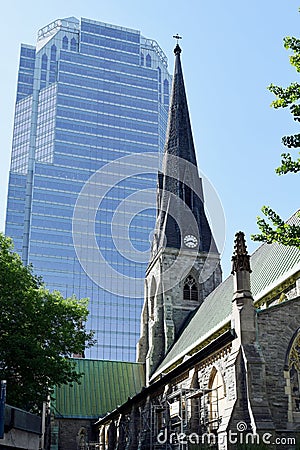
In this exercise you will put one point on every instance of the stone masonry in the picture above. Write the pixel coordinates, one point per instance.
(167, 310)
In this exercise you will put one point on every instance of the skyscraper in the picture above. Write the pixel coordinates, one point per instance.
(91, 99)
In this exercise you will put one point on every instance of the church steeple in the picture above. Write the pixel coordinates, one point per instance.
(179, 139)
(181, 218)
(185, 264)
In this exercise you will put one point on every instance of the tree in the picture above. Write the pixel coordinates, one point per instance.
(278, 230)
(39, 332)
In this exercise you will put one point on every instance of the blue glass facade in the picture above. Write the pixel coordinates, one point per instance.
(88, 94)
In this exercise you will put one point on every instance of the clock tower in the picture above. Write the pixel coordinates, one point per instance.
(185, 263)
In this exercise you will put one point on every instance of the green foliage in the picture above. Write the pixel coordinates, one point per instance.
(39, 332)
(277, 230)
(292, 43)
(284, 96)
(280, 232)
(288, 165)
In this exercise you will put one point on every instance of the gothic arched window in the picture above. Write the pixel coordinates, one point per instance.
(159, 79)
(292, 364)
(52, 75)
(65, 43)
(53, 53)
(159, 74)
(148, 60)
(295, 388)
(217, 399)
(166, 87)
(190, 289)
(73, 45)
(142, 59)
(166, 92)
(44, 71)
(44, 62)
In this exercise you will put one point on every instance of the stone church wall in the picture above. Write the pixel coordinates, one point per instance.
(276, 326)
(73, 434)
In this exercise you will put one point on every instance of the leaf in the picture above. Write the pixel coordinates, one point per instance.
(274, 229)
(39, 332)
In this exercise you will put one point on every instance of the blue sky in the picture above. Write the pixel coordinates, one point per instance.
(231, 52)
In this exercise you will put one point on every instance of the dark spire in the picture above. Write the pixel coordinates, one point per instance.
(179, 139)
(240, 259)
(181, 218)
(177, 50)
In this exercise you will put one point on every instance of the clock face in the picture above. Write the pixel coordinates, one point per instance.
(190, 241)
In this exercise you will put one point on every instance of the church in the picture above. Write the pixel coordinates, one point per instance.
(219, 360)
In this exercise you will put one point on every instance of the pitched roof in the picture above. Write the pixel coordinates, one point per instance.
(271, 264)
(104, 386)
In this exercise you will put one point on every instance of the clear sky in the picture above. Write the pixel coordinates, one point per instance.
(231, 52)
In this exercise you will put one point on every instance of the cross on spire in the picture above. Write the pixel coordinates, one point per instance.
(177, 49)
(177, 37)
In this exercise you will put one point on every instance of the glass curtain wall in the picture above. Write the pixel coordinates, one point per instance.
(88, 95)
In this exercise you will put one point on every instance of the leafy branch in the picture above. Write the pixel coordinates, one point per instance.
(280, 231)
(273, 228)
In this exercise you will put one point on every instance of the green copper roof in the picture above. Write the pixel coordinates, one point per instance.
(271, 264)
(104, 386)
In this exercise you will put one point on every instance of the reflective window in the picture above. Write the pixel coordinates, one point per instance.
(53, 52)
(148, 60)
(166, 87)
(166, 91)
(65, 43)
(110, 54)
(27, 52)
(97, 103)
(73, 44)
(44, 62)
(159, 74)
